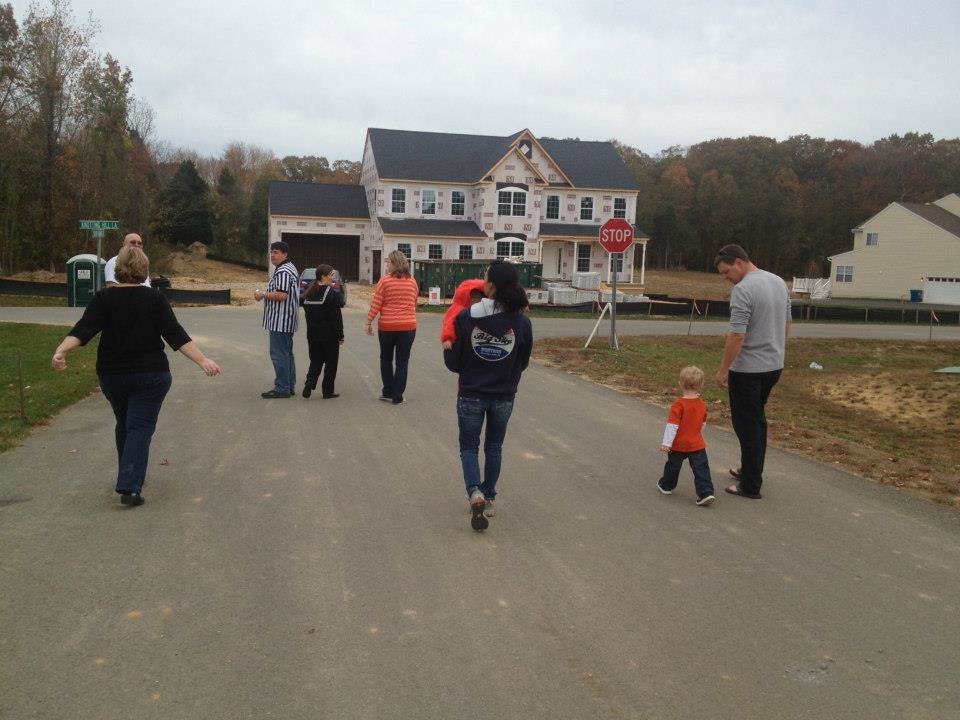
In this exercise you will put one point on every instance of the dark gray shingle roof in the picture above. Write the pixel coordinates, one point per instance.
(590, 164)
(318, 200)
(448, 157)
(937, 215)
(433, 228)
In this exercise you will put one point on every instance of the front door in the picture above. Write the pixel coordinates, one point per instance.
(376, 266)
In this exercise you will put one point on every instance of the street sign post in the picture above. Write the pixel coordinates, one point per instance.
(616, 236)
(97, 227)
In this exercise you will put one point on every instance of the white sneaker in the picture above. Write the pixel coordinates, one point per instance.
(489, 510)
(660, 488)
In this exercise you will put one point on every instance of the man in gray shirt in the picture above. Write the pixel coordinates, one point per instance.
(752, 358)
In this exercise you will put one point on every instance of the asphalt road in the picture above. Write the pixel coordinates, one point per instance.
(310, 559)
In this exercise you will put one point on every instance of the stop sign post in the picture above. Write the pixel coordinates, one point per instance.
(616, 236)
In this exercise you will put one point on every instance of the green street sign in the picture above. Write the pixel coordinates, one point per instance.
(99, 224)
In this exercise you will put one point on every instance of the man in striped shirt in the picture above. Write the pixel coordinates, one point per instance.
(281, 315)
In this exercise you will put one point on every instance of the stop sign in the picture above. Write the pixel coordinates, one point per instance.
(616, 235)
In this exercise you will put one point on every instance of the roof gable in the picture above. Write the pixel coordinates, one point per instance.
(943, 219)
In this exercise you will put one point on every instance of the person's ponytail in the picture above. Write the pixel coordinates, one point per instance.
(509, 293)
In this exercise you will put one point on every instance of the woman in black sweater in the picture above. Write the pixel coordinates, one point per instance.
(321, 306)
(131, 365)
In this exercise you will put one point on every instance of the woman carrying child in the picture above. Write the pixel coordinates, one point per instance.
(492, 348)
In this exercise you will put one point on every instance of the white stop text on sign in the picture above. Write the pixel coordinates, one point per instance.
(617, 236)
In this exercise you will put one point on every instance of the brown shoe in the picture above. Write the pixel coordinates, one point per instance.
(736, 489)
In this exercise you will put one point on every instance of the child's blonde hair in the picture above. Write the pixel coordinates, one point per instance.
(691, 378)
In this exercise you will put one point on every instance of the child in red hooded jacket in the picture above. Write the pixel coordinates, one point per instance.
(467, 293)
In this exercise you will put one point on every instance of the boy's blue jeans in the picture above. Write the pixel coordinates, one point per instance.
(471, 413)
(698, 463)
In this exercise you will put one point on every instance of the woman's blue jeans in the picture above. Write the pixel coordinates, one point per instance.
(471, 413)
(136, 399)
(395, 349)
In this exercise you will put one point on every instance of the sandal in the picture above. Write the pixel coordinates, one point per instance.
(735, 489)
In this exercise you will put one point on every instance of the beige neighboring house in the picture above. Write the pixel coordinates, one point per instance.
(443, 196)
(905, 251)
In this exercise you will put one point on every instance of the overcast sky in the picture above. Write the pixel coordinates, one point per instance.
(308, 77)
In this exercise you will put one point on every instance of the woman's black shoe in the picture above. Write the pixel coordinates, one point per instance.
(328, 396)
(132, 499)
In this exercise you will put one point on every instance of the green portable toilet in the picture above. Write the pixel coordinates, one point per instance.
(84, 278)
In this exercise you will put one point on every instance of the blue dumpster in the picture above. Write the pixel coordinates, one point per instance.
(916, 296)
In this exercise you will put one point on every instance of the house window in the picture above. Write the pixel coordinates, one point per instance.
(844, 273)
(511, 203)
(586, 210)
(553, 207)
(510, 248)
(435, 252)
(458, 202)
(405, 249)
(466, 252)
(583, 258)
(619, 207)
(617, 262)
(873, 239)
(399, 204)
(428, 202)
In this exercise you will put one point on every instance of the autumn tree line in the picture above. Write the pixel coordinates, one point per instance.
(75, 143)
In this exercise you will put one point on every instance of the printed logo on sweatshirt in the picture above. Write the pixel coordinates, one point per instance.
(492, 347)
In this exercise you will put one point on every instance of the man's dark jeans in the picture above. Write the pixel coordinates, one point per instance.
(748, 394)
(136, 399)
(394, 358)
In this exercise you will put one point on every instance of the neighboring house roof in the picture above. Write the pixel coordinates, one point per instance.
(564, 230)
(432, 228)
(318, 200)
(936, 215)
(456, 158)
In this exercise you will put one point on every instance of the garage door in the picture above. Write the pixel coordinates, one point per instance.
(942, 290)
(341, 251)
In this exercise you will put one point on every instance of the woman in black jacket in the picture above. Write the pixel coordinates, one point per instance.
(132, 367)
(321, 305)
(494, 339)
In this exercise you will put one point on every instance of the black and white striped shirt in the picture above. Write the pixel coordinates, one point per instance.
(283, 315)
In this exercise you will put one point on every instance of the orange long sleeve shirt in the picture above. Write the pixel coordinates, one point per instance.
(688, 415)
(395, 301)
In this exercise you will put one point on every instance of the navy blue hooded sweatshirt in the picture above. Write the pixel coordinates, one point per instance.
(490, 352)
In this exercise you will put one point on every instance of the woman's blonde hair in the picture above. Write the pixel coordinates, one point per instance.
(691, 378)
(401, 266)
(133, 265)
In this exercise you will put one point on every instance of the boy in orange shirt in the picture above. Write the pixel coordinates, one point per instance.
(683, 438)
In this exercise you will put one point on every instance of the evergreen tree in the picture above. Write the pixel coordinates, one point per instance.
(185, 214)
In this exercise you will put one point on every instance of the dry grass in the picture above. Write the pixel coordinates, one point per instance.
(877, 409)
(686, 284)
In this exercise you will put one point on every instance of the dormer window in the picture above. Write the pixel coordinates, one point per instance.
(526, 148)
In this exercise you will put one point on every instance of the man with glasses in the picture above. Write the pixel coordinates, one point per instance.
(752, 358)
(281, 316)
(110, 269)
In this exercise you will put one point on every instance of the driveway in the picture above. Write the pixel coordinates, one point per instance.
(305, 559)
